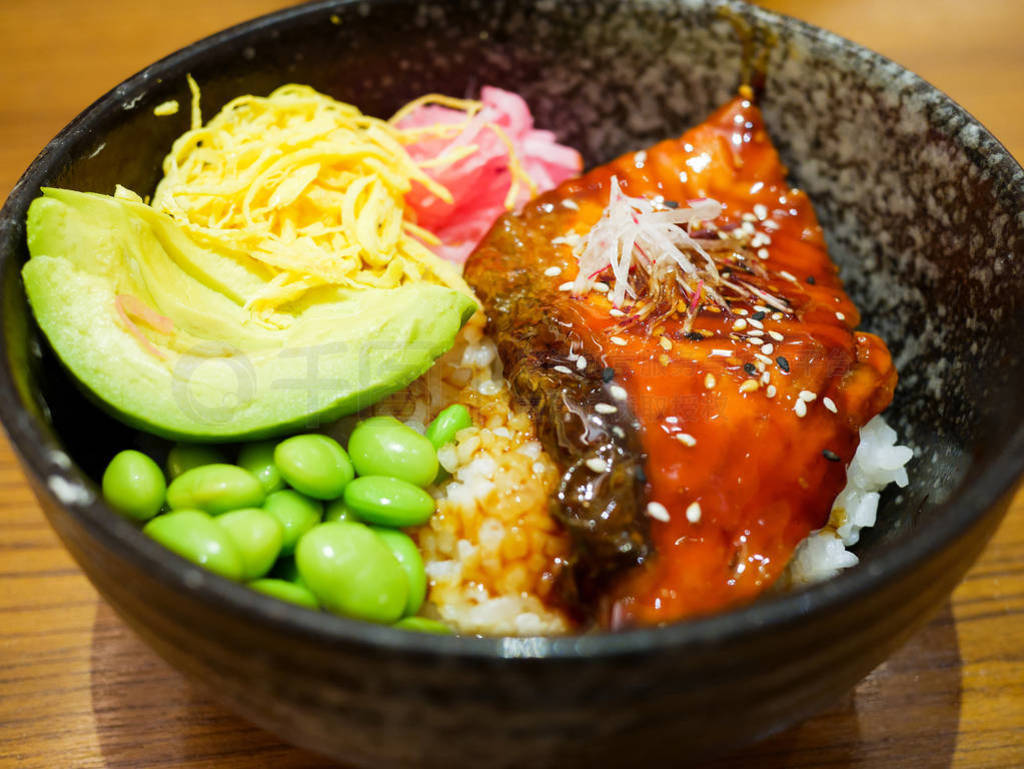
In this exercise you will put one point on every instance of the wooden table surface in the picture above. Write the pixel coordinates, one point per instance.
(77, 689)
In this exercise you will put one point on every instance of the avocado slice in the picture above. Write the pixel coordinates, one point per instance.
(154, 325)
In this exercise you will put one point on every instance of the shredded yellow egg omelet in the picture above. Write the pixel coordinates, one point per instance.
(307, 185)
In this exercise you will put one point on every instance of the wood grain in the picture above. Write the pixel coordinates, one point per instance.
(77, 689)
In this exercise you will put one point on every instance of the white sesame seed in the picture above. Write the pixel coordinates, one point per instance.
(755, 332)
(639, 158)
(741, 311)
(739, 325)
(748, 386)
(807, 395)
(563, 369)
(767, 349)
(618, 431)
(800, 408)
(672, 420)
(581, 363)
(618, 340)
(605, 408)
(657, 511)
(770, 391)
(569, 203)
(709, 381)
(553, 271)
(776, 316)
(788, 275)
(748, 218)
(686, 439)
(766, 377)
(597, 464)
(720, 353)
(762, 253)
(619, 393)
(567, 286)
(756, 323)
(760, 211)
(601, 288)
(770, 224)
(776, 336)
(840, 316)
(748, 228)
(760, 239)
(763, 358)
(693, 512)
(830, 404)
(615, 312)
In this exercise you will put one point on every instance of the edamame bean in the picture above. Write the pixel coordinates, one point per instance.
(446, 424)
(258, 459)
(352, 572)
(215, 489)
(315, 465)
(296, 513)
(184, 456)
(134, 486)
(385, 446)
(286, 591)
(388, 501)
(194, 535)
(257, 536)
(423, 625)
(408, 555)
(339, 511)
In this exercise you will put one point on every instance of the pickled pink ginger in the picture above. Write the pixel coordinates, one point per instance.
(480, 182)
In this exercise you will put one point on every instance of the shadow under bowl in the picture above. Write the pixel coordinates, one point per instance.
(922, 209)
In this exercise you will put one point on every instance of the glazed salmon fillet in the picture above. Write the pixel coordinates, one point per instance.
(702, 404)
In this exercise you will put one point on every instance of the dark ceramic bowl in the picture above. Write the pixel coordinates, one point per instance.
(922, 208)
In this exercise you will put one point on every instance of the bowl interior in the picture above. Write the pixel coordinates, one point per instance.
(922, 208)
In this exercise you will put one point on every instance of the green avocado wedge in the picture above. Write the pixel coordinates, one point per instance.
(154, 325)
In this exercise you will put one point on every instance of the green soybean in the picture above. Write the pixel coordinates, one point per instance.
(185, 456)
(194, 535)
(408, 556)
(257, 536)
(296, 513)
(134, 485)
(339, 511)
(215, 489)
(316, 465)
(286, 591)
(388, 501)
(446, 424)
(423, 625)
(352, 572)
(258, 459)
(385, 446)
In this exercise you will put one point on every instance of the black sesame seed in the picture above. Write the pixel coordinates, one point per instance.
(759, 315)
(641, 475)
(670, 203)
(608, 374)
(831, 456)
(694, 336)
(783, 363)
(750, 368)
(811, 280)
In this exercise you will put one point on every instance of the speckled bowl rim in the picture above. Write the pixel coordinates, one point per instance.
(30, 439)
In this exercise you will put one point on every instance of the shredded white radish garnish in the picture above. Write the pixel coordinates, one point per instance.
(649, 244)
